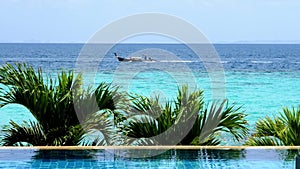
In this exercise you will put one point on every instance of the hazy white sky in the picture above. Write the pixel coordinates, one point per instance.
(222, 21)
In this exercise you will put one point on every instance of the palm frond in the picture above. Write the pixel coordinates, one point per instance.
(215, 120)
(100, 129)
(30, 133)
(55, 103)
(233, 121)
(283, 129)
(264, 141)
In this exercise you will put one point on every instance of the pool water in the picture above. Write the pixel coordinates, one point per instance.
(200, 158)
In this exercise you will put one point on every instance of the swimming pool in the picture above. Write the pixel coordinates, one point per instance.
(174, 158)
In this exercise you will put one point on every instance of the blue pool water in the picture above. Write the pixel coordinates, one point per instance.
(202, 158)
(261, 78)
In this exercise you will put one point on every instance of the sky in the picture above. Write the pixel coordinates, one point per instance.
(221, 21)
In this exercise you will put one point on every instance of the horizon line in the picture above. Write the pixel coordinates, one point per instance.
(170, 43)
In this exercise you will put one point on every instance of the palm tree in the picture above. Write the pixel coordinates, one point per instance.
(282, 130)
(60, 106)
(185, 122)
(57, 105)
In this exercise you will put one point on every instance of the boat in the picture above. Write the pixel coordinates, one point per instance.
(134, 59)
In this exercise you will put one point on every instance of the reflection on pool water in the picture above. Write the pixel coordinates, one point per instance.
(201, 158)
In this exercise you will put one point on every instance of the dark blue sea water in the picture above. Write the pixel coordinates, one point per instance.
(260, 77)
(235, 57)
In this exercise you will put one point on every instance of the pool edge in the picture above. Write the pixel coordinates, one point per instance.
(150, 147)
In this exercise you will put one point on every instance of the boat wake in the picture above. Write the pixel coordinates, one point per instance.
(177, 61)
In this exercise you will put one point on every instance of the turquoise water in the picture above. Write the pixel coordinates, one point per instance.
(260, 78)
(254, 91)
(189, 159)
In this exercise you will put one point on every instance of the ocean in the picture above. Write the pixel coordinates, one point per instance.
(262, 78)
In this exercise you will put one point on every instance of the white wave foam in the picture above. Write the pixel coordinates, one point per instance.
(260, 61)
(177, 61)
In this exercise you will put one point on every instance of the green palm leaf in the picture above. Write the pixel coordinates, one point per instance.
(56, 104)
(283, 129)
(30, 133)
(100, 129)
(186, 119)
